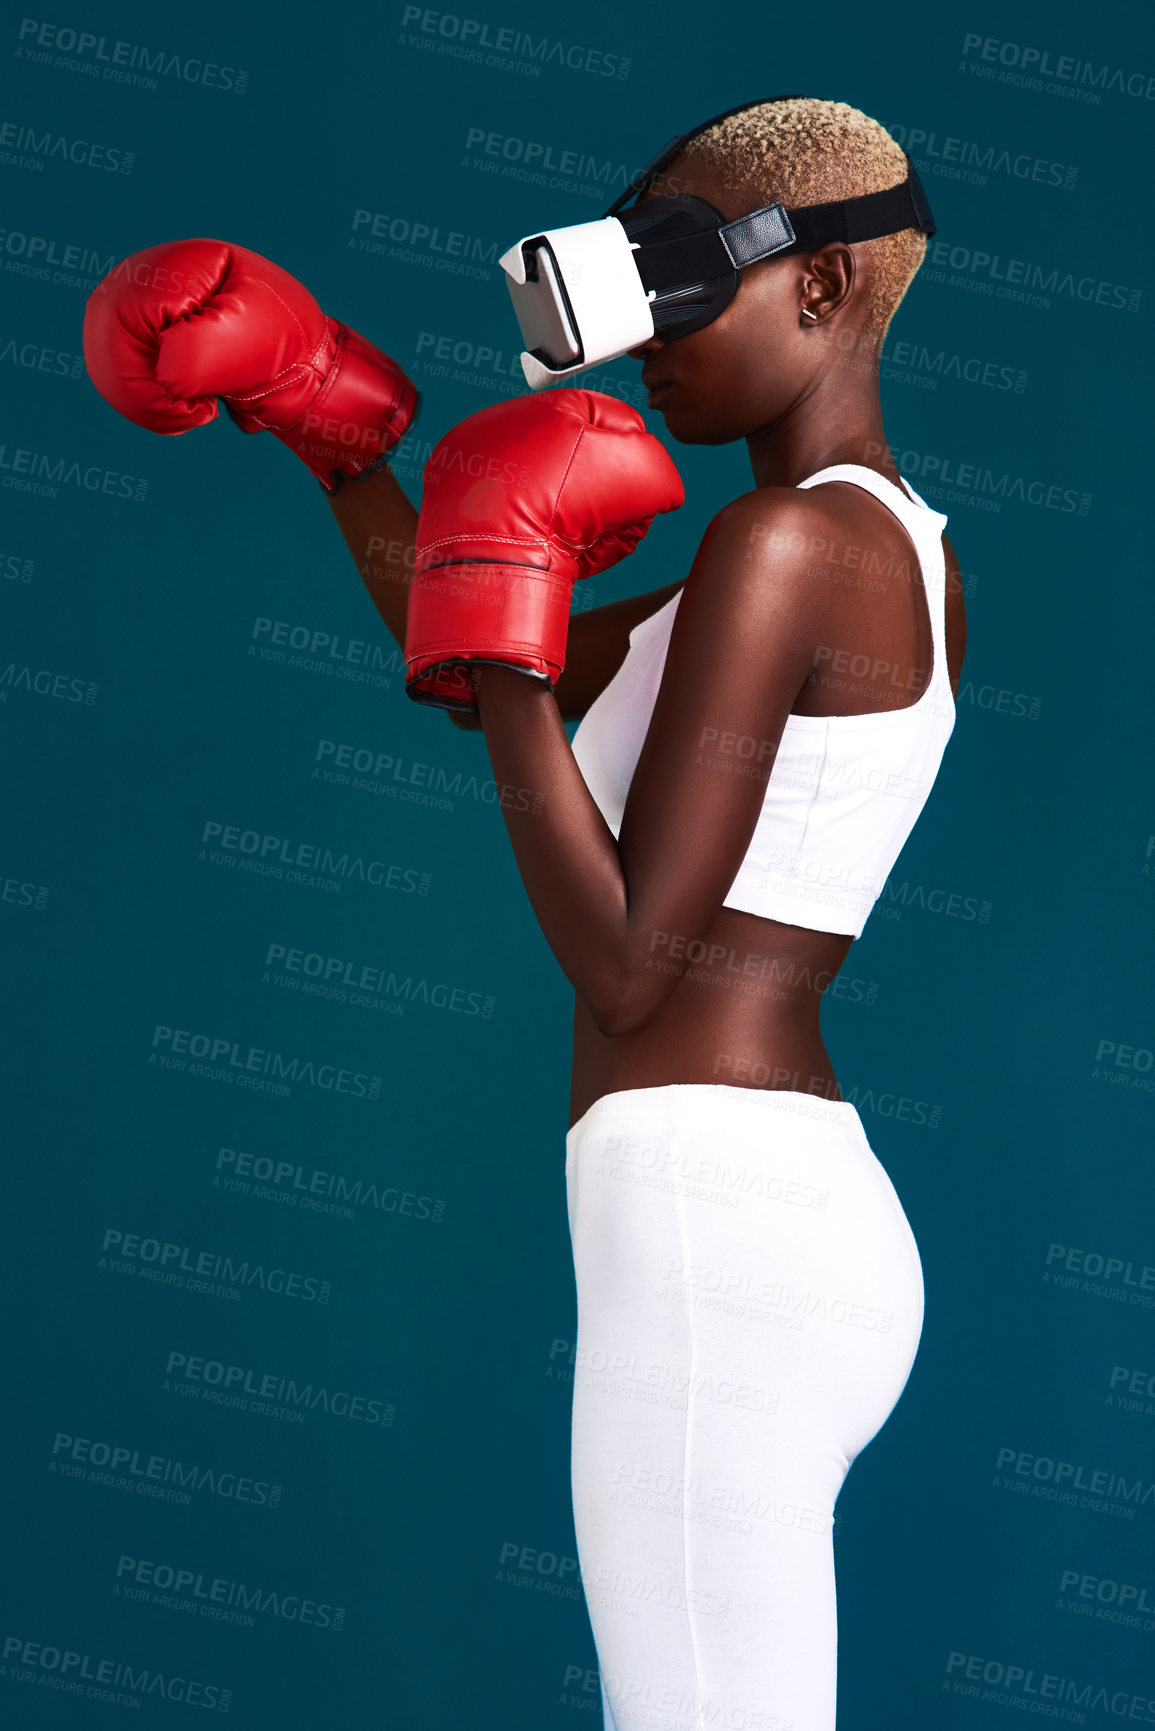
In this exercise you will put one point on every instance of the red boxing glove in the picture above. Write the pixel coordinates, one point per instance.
(176, 326)
(522, 500)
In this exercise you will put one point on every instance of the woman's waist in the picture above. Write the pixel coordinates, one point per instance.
(780, 968)
(738, 1042)
(745, 1014)
(750, 983)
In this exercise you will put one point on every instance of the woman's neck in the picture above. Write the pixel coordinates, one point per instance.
(816, 433)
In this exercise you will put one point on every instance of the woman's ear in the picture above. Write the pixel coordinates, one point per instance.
(828, 281)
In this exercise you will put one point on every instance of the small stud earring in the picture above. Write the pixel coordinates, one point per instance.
(807, 314)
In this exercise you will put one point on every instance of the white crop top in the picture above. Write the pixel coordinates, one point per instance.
(844, 791)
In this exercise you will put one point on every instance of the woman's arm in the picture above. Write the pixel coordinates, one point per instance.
(379, 525)
(743, 643)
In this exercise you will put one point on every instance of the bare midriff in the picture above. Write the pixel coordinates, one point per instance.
(746, 1013)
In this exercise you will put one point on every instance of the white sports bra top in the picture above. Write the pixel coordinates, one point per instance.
(844, 791)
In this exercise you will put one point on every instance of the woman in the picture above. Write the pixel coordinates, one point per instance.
(749, 1290)
(755, 745)
(733, 1360)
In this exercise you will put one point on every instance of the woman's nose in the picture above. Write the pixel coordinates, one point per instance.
(651, 346)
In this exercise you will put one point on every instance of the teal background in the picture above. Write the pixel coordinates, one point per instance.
(1000, 1053)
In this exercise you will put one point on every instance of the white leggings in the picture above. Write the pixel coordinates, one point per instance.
(750, 1302)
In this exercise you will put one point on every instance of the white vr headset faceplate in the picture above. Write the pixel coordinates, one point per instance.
(595, 263)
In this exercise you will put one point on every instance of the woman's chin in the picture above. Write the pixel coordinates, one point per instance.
(681, 418)
(689, 425)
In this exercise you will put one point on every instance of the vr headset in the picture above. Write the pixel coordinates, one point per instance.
(591, 292)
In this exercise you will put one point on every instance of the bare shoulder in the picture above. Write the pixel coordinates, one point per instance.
(754, 565)
(782, 558)
(743, 642)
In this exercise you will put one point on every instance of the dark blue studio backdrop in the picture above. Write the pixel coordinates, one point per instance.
(289, 1366)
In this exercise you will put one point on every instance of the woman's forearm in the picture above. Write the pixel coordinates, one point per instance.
(566, 853)
(379, 524)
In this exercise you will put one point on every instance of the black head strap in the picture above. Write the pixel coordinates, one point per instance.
(779, 233)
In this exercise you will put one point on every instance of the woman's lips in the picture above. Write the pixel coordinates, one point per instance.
(658, 391)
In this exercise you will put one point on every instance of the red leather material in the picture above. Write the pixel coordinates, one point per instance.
(176, 326)
(521, 501)
(360, 412)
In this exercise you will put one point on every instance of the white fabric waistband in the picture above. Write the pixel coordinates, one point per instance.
(705, 1100)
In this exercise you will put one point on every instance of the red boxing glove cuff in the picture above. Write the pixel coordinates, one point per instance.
(516, 615)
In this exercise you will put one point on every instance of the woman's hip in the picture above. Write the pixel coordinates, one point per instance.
(747, 1248)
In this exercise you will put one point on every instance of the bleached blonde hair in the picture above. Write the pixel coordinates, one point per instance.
(806, 151)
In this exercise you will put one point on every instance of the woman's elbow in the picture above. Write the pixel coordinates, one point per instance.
(624, 1011)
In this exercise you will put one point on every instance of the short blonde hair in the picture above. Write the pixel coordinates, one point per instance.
(805, 151)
